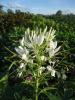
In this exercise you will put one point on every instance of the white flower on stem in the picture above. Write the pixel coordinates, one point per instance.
(20, 47)
(51, 70)
(53, 52)
(22, 65)
(23, 53)
(33, 38)
(52, 44)
(50, 34)
(52, 63)
(57, 49)
(52, 48)
(38, 39)
(33, 43)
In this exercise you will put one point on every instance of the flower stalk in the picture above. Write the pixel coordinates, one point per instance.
(36, 88)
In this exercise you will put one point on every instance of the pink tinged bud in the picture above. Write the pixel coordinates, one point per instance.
(29, 77)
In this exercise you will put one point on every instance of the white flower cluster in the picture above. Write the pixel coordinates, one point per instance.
(34, 41)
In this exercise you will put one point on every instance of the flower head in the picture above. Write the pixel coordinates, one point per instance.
(38, 47)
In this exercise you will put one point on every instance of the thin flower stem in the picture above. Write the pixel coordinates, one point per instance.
(36, 96)
(37, 85)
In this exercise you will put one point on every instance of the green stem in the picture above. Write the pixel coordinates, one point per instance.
(36, 95)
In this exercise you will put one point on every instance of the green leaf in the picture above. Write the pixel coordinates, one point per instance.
(12, 65)
(46, 89)
(4, 78)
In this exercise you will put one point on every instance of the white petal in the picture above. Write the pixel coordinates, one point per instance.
(57, 49)
(41, 39)
(49, 68)
(24, 57)
(53, 73)
(55, 44)
(22, 41)
(51, 53)
(45, 30)
(26, 51)
(20, 74)
(20, 47)
(19, 51)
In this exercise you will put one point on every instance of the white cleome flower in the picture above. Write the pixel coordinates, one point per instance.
(51, 70)
(52, 48)
(36, 43)
(33, 39)
(23, 52)
(50, 34)
(53, 52)
(38, 39)
(24, 57)
(52, 44)
(22, 65)
(52, 63)
(53, 73)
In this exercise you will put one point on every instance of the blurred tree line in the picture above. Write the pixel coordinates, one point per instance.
(11, 19)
